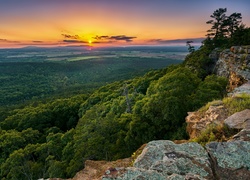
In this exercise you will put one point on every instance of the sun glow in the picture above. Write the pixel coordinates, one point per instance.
(90, 42)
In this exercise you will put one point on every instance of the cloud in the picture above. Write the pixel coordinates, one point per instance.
(101, 37)
(8, 41)
(116, 38)
(37, 41)
(74, 41)
(68, 36)
(178, 41)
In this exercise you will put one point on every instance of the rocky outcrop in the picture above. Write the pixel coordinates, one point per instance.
(169, 158)
(164, 159)
(235, 65)
(198, 121)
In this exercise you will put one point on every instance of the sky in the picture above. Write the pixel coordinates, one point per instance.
(109, 22)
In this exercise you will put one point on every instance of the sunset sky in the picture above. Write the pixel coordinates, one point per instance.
(109, 22)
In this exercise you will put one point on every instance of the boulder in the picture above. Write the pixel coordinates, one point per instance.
(239, 120)
(197, 121)
(230, 160)
(243, 135)
(243, 89)
(164, 159)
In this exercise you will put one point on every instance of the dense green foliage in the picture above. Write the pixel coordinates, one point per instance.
(22, 81)
(53, 138)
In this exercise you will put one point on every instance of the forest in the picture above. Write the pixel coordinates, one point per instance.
(35, 73)
(53, 137)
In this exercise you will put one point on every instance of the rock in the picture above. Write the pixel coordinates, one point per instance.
(235, 81)
(197, 121)
(234, 49)
(243, 135)
(214, 55)
(163, 159)
(234, 65)
(169, 158)
(240, 49)
(134, 173)
(243, 89)
(95, 169)
(239, 120)
(230, 160)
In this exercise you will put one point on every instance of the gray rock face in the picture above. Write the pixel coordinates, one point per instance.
(164, 160)
(135, 173)
(231, 160)
(243, 89)
(234, 64)
(239, 120)
(169, 158)
(230, 62)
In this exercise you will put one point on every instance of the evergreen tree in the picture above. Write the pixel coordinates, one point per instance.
(190, 47)
(233, 22)
(218, 29)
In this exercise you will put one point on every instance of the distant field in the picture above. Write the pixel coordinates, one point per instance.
(27, 74)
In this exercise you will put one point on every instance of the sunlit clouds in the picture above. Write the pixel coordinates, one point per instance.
(108, 22)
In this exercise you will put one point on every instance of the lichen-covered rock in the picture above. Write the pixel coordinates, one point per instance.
(198, 122)
(239, 120)
(134, 173)
(169, 158)
(166, 160)
(231, 160)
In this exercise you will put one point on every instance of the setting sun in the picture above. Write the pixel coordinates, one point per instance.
(90, 42)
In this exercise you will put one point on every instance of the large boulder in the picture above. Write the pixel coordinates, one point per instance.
(230, 160)
(166, 160)
(239, 120)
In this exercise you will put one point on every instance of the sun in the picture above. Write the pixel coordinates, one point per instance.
(90, 42)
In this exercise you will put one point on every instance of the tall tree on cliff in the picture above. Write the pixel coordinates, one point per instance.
(234, 23)
(223, 28)
(218, 29)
